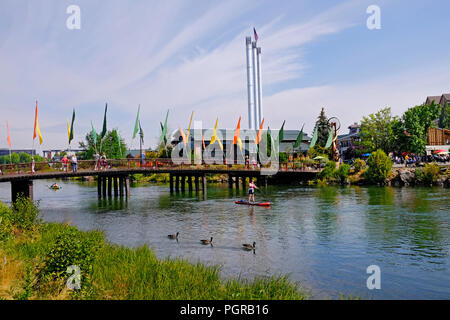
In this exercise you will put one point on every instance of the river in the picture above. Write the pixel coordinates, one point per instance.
(322, 237)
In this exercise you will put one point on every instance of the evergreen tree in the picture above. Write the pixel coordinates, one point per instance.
(323, 129)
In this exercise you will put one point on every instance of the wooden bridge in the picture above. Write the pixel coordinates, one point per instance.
(114, 178)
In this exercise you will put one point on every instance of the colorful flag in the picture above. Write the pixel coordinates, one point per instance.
(258, 136)
(330, 138)
(255, 34)
(164, 129)
(141, 133)
(189, 128)
(71, 127)
(36, 126)
(236, 138)
(35, 121)
(93, 134)
(136, 125)
(8, 138)
(299, 138)
(314, 137)
(68, 129)
(203, 141)
(183, 136)
(119, 142)
(214, 136)
(281, 134)
(104, 123)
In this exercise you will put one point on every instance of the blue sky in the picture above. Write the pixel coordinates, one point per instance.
(190, 56)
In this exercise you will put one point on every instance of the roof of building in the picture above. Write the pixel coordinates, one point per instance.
(436, 99)
(445, 98)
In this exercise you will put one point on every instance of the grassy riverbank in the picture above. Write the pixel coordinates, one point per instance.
(34, 257)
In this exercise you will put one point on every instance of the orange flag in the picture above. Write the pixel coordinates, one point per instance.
(203, 141)
(9, 138)
(35, 122)
(183, 136)
(236, 138)
(258, 136)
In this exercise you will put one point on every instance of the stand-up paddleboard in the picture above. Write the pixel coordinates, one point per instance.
(260, 204)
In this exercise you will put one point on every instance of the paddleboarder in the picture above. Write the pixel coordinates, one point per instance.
(251, 191)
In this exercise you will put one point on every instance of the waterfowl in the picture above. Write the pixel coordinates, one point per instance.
(173, 236)
(207, 241)
(249, 246)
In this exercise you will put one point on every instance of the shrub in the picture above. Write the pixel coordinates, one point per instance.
(378, 167)
(358, 164)
(429, 174)
(342, 172)
(5, 221)
(72, 247)
(328, 170)
(25, 214)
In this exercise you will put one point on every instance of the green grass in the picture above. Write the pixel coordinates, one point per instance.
(38, 256)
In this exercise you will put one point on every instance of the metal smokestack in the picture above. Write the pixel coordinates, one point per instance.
(260, 108)
(255, 88)
(250, 82)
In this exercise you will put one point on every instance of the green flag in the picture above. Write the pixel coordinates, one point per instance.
(299, 138)
(141, 133)
(330, 139)
(314, 137)
(104, 123)
(120, 144)
(94, 134)
(71, 126)
(136, 125)
(281, 134)
(164, 129)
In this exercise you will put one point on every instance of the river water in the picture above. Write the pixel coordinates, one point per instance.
(322, 237)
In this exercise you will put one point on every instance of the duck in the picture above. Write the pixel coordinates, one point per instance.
(207, 241)
(173, 236)
(248, 246)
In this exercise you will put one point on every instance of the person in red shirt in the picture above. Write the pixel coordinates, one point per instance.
(65, 161)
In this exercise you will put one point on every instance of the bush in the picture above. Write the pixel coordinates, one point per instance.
(328, 170)
(358, 164)
(378, 167)
(72, 247)
(429, 174)
(25, 214)
(342, 172)
(5, 221)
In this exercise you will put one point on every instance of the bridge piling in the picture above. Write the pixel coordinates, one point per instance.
(183, 183)
(197, 183)
(127, 186)
(230, 181)
(121, 186)
(190, 183)
(99, 186)
(110, 187)
(116, 193)
(177, 183)
(171, 182)
(23, 188)
(104, 186)
(204, 184)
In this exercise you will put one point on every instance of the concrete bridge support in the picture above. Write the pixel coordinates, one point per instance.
(21, 188)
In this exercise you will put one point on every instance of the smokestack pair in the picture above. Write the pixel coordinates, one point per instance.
(254, 85)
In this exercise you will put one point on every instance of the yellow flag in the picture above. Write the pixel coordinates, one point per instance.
(68, 128)
(39, 132)
(239, 141)
(189, 129)
(214, 136)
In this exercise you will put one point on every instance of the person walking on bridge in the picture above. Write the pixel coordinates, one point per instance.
(97, 160)
(65, 161)
(103, 161)
(74, 162)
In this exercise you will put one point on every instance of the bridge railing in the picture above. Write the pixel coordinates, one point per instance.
(133, 163)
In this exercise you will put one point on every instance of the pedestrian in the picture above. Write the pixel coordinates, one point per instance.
(103, 161)
(32, 165)
(65, 161)
(74, 162)
(247, 162)
(96, 159)
(253, 163)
